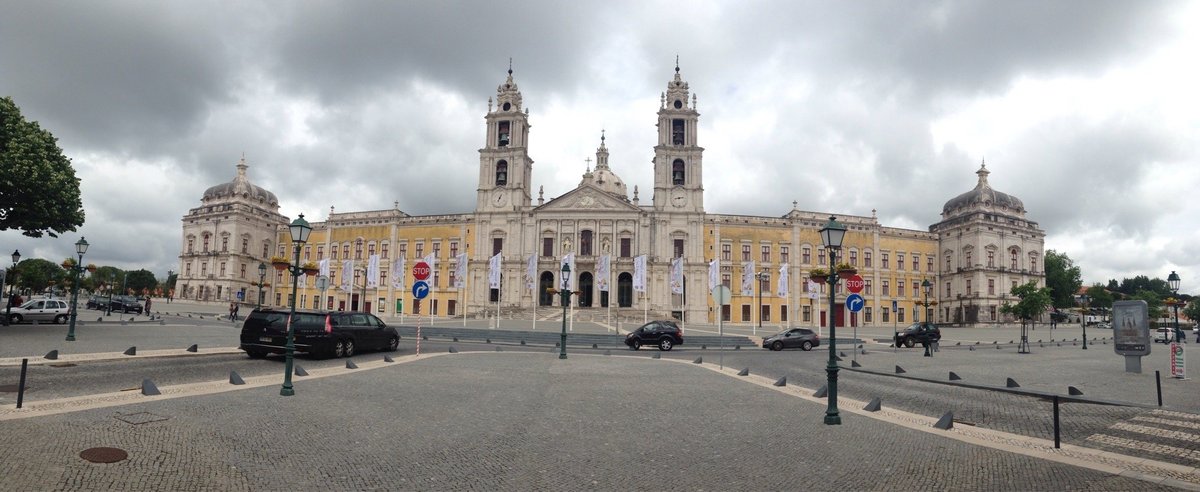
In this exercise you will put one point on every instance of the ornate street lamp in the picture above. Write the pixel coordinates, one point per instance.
(926, 285)
(832, 235)
(1173, 280)
(169, 286)
(566, 300)
(299, 230)
(262, 274)
(760, 276)
(1083, 319)
(77, 270)
(16, 258)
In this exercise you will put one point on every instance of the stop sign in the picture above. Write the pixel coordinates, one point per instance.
(421, 270)
(855, 284)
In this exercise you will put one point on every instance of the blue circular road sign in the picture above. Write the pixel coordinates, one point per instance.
(855, 302)
(420, 289)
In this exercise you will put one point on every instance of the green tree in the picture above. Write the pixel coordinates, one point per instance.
(141, 280)
(1099, 297)
(35, 274)
(1153, 302)
(1063, 278)
(1033, 302)
(107, 276)
(1192, 311)
(39, 193)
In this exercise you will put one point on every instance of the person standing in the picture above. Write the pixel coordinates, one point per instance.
(147, 305)
(232, 310)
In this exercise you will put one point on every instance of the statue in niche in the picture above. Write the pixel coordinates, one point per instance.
(605, 245)
(566, 245)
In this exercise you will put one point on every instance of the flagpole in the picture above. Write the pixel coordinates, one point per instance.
(608, 285)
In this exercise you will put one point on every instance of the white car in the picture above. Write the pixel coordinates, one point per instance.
(42, 311)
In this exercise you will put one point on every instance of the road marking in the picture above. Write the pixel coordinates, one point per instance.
(1176, 423)
(1143, 446)
(1154, 431)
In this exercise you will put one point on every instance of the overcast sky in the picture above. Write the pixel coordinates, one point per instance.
(1087, 111)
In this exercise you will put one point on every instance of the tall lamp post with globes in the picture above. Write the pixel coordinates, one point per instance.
(81, 247)
(1173, 281)
(16, 258)
(299, 230)
(262, 275)
(1083, 319)
(167, 287)
(760, 276)
(832, 235)
(565, 292)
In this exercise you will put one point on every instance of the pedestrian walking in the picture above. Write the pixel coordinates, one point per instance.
(236, 307)
(147, 306)
(232, 310)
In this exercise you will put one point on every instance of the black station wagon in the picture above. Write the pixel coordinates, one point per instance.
(337, 334)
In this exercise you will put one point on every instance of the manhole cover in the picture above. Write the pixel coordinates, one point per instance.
(140, 418)
(9, 388)
(103, 455)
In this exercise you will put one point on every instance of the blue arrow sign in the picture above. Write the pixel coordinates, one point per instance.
(420, 289)
(855, 302)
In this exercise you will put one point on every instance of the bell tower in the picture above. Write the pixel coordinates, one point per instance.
(505, 169)
(678, 158)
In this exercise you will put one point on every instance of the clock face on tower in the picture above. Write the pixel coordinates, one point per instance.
(678, 198)
(499, 198)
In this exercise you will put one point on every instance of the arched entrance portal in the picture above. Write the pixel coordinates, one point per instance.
(625, 290)
(545, 283)
(585, 289)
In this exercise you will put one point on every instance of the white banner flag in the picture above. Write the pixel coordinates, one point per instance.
(814, 290)
(748, 278)
(494, 272)
(373, 271)
(531, 272)
(782, 288)
(323, 266)
(603, 272)
(714, 274)
(639, 273)
(347, 274)
(460, 271)
(677, 275)
(302, 282)
(569, 260)
(398, 273)
(431, 259)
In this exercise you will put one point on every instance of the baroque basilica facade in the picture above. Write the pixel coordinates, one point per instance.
(658, 254)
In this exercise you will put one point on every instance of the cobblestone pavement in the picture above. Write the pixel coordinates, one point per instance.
(1173, 436)
(512, 421)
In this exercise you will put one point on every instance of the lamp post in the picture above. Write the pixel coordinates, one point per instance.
(1083, 319)
(760, 276)
(16, 257)
(169, 286)
(108, 303)
(262, 275)
(299, 230)
(81, 247)
(1173, 281)
(832, 235)
(566, 300)
(926, 286)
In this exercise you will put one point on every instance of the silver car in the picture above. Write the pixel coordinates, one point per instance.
(42, 311)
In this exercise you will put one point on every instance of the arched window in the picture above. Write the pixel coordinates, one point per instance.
(502, 173)
(585, 242)
(677, 172)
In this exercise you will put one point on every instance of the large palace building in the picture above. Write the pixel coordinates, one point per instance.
(658, 254)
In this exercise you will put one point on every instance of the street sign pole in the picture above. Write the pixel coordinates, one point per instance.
(721, 296)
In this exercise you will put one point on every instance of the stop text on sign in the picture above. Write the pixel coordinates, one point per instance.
(421, 270)
(855, 284)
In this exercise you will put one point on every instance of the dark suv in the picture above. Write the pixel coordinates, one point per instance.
(665, 334)
(918, 333)
(804, 338)
(339, 334)
(126, 304)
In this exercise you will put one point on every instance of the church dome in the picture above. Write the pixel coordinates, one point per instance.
(241, 186)
(603, 177)
(983, 196)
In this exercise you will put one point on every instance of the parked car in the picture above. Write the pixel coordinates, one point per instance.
(663, 333)
(126, 304)
(339, 334)
(96, 302)
(1166, 334)
(41, 310)
(803, 338)
(921, 332)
